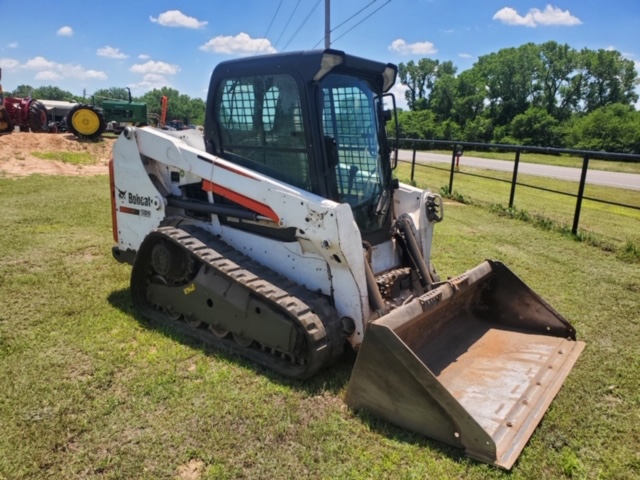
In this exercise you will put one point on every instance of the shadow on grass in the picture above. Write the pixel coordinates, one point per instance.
(398, 434)
(332, 379)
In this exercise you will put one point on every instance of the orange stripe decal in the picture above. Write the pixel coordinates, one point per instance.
(240, 199)
(233, 170)
(132, 211)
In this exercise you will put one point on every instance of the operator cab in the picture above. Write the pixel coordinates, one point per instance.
(314, 120)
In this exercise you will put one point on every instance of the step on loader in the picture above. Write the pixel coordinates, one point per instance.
(283, 236)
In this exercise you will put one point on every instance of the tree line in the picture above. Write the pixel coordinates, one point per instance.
(545, 95)
(179, 106)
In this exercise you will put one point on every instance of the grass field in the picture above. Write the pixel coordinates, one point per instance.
(88, 390)
(75, 158)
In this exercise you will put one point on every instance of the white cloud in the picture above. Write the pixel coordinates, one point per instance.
(12, 45)
(175, 18)
(76, 71)
(149, 82)
(465, 55)
(554, 16)
(404, 48)
(241, 44)
(65, 31)
(511, 17)
(111, 52)
(47, 75)
(160, 68)
(9, 63)
(48, 70)
(154, 78)
(398, 91)
(549, 16)
(39, 63)
(144, 56)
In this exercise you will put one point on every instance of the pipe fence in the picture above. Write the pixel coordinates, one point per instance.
(458, 147)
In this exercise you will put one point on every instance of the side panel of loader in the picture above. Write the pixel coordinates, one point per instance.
(474, 363)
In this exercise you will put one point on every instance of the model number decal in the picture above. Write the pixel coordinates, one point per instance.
(136, 211)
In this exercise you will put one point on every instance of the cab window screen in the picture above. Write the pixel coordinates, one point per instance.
(261, 125)
(349, 118)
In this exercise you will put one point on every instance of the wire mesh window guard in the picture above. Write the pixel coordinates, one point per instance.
(261, 122)
(349, 118)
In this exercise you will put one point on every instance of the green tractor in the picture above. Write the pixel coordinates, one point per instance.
(90, 122)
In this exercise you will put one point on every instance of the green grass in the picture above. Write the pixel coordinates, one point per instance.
(611, 226)
(88, 390)
(74, 158)
(557, 160)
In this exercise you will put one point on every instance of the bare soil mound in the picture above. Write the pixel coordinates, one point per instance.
(17, 157)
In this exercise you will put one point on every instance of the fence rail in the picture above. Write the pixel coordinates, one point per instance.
(458, 147)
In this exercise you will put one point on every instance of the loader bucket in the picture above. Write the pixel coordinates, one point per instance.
(473, 363)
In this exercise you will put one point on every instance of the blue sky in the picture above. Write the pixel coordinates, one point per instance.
(146, 44)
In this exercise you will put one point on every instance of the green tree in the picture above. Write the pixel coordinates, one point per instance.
(480, 129)
(22, 91)
(52, 93)
(559, 78)
(449, 130)
(532, 94)
(197, 108)
(536, 127)
(510, 76)
(112, 93)
(443, 93)
(418, 124)
(179, 107)
(470, 96)
(41, 93)
(607, 78)
(419, 78)
(613, 128)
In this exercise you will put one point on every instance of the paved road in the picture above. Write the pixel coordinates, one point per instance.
(595, 177)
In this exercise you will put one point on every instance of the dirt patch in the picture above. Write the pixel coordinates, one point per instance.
(17, 160)
(190, 471)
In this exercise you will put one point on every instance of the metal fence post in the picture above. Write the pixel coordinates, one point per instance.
(583, 180)
(453, 166)
(413, 162)
(514, 179)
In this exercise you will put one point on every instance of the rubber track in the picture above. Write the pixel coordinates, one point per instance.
(312, 312)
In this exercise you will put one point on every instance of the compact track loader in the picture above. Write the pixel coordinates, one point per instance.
(282, 236)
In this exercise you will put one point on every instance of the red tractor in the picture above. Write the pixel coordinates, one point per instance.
(25, 113)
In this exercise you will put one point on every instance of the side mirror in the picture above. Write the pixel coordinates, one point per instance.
(392, 115)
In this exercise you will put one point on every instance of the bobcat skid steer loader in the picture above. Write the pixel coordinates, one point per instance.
(282, 235)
